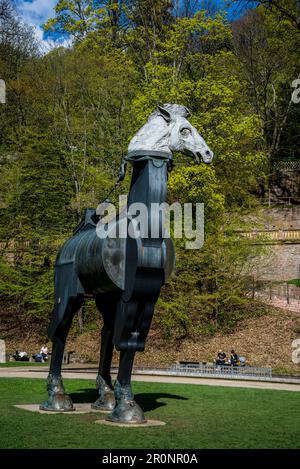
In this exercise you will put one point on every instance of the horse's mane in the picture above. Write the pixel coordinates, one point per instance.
(172, 109)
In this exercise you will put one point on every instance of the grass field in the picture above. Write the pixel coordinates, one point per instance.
(295, 281)
(196, 417)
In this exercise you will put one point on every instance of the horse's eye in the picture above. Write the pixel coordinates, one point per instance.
(185, 132)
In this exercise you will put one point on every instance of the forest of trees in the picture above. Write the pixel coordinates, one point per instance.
(70, 113)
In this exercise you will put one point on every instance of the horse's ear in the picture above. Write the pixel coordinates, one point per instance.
(188, 113)
(164, 113)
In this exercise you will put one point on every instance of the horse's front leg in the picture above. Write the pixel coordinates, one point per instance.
(126, 410)
(131, 330)
(132, 324)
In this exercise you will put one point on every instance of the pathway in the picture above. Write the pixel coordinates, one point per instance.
(42, 372)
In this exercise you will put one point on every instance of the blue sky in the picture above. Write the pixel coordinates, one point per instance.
(36, 12)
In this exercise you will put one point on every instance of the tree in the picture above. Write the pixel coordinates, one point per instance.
(18, 47)
(260, 40)
(194, 66)
(209, 290)
(5, 10)
(78, 18)
(287, 10)
(71, 113)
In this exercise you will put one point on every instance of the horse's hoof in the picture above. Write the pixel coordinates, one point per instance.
(58, 403)
(127, 412)
(106, 400)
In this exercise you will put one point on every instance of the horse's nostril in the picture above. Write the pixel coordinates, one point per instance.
(207, 152)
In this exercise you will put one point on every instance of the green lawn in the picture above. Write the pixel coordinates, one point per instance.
(196, 417)
(295, 281)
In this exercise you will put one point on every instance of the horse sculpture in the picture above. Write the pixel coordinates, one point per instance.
(124, 276)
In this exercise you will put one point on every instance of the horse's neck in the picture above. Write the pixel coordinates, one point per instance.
(148, 184)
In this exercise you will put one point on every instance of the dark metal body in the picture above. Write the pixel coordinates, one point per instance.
(125, 277)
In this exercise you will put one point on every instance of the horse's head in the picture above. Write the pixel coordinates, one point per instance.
(183, 136)
(169, 130)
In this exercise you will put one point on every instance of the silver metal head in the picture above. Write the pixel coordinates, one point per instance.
(169, 130)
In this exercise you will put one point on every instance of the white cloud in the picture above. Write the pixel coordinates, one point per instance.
(35, 13)
(36, 10)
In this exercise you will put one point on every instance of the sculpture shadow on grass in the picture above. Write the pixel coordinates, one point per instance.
(148, 400)
(82, 396)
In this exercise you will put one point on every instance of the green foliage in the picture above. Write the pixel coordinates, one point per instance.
(69, 118)
(261, 39)
(207, 80)
(295, 281)
(75, 17)
(209, 289)
(26, 286)
(198, 183)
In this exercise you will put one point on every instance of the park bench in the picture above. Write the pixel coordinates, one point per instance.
(30, 357)
(74, 357)
(67, 356)
(189, 364)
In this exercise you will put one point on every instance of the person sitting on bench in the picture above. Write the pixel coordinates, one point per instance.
(21, 356)
(44, 352)
(234, 359)
(221, 357)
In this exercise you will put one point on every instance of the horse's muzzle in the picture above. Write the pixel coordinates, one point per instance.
(206, 157)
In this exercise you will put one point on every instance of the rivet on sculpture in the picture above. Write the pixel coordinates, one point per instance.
(124, 277)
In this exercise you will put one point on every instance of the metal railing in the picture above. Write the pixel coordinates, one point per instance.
(272, 234)
(287, 201)
(209, 371)
(275, 290)
(225, 371)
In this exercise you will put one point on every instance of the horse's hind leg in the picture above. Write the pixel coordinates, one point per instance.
(106, 399)
(58, 400)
